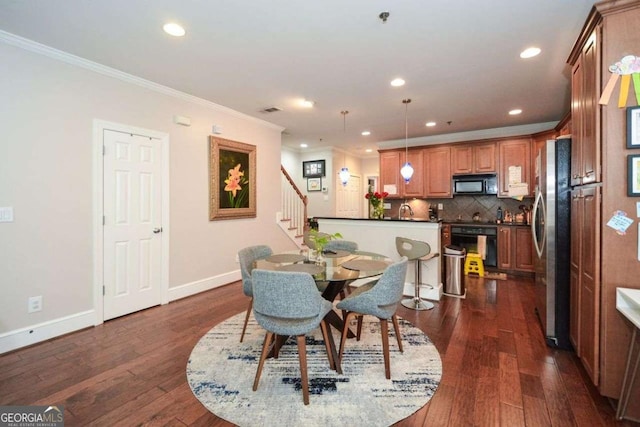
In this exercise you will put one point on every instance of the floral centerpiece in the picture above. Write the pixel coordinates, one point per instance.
(376, 199)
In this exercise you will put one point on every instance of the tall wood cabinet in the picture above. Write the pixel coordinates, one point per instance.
(390, 173)
(584, 330)
(601, 258)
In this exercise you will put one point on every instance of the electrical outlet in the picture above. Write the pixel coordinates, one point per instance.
(440, 207)
(35, 304)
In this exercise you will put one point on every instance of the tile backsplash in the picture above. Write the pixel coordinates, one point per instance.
(460, 207)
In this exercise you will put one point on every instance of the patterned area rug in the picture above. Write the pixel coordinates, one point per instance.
(221, 371)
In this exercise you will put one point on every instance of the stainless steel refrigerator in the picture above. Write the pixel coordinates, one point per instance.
(552, 239)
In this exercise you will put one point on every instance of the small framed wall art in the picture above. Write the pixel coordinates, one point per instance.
(314, 184)
(633, 127)
(633, 175)
(313, 169)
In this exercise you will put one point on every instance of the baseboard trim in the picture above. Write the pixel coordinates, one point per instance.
(23, 337)
(198, 286)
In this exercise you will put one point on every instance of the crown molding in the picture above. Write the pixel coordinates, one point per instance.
(69, 58)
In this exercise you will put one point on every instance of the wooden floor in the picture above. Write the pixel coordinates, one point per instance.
(131, 370)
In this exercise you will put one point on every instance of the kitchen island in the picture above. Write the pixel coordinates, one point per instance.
(380, 236)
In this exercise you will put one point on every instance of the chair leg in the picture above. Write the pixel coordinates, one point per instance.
(263, 357)
(384, 329)
(396, 327)
(345, 331)
(325, 334)
(246, 319)
(359, 330)
(304, 379)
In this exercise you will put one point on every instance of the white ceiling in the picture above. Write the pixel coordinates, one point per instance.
(460, 59)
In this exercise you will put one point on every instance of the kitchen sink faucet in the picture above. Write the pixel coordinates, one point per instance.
(404, 207)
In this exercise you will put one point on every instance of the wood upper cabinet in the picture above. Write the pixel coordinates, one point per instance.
(585, 114)
(390, 164)
(514, 152)
(515, 248)
(437, 172)
(416, 186)
(472, 158)
(390, 173)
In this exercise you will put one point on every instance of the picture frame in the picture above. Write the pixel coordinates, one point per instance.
(232, 179)
(314, 184)
(313, 169)
(633, 127)
(633, 175)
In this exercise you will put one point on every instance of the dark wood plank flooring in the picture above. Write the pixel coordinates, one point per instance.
(131, 370)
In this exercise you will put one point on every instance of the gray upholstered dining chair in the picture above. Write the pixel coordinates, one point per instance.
(247, 257)
(288, 303)
(341, 245)
(378, 299)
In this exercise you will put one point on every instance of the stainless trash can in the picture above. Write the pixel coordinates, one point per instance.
(454, 262)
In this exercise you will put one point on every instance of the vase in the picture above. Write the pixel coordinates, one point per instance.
(378, 211)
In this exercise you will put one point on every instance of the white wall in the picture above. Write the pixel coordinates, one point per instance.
(46, 115)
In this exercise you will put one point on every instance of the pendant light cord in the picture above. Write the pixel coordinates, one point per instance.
(406, 128)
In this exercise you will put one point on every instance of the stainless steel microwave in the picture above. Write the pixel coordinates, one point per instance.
(475, 184)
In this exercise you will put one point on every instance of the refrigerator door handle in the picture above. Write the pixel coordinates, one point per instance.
(538, 204)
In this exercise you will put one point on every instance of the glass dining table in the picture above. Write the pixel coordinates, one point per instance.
(332, 272)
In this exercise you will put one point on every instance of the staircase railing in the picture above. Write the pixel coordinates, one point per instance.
(294, 204)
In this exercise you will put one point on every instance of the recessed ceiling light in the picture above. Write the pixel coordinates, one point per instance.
(306, 103)
(397, 82)
(368, 150)
(515, 112)
(366, 133)
(530, 52)
(303, 145)
(174, 29)
(430, 124)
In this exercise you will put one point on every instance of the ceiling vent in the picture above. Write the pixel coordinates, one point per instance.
(271, 109)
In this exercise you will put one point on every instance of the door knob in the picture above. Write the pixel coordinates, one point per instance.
(157, 230)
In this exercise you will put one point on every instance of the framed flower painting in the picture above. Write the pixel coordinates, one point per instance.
(232, 179)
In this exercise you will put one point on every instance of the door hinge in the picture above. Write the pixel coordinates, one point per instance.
(104, 220)
(104, 291)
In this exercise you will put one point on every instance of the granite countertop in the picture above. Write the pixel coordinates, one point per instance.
(484, 223)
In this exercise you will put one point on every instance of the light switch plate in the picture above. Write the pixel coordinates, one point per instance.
(6, 214)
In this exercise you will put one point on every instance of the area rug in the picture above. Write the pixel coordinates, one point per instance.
(221, 371)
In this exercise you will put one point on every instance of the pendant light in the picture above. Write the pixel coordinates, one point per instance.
(344, 172)
(407, 169)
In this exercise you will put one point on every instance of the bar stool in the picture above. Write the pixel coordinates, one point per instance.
(474, 264)
(417, 251)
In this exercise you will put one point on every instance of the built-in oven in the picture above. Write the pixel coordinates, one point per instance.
(467, 236)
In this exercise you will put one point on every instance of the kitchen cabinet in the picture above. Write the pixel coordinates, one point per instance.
(415, 187)
(437, 172)
(585, 114)
(390, 178)
(473, 158)
(514, 152)
(515, 248)
(390, 164)
(601, 259)
(585, 290)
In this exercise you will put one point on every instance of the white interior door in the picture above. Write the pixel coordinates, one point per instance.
(348, 198)
(132, 205)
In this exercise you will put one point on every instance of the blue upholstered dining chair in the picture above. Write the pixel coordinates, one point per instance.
(341, 245)
(247, 257)
(289, 303)
(378, 299)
